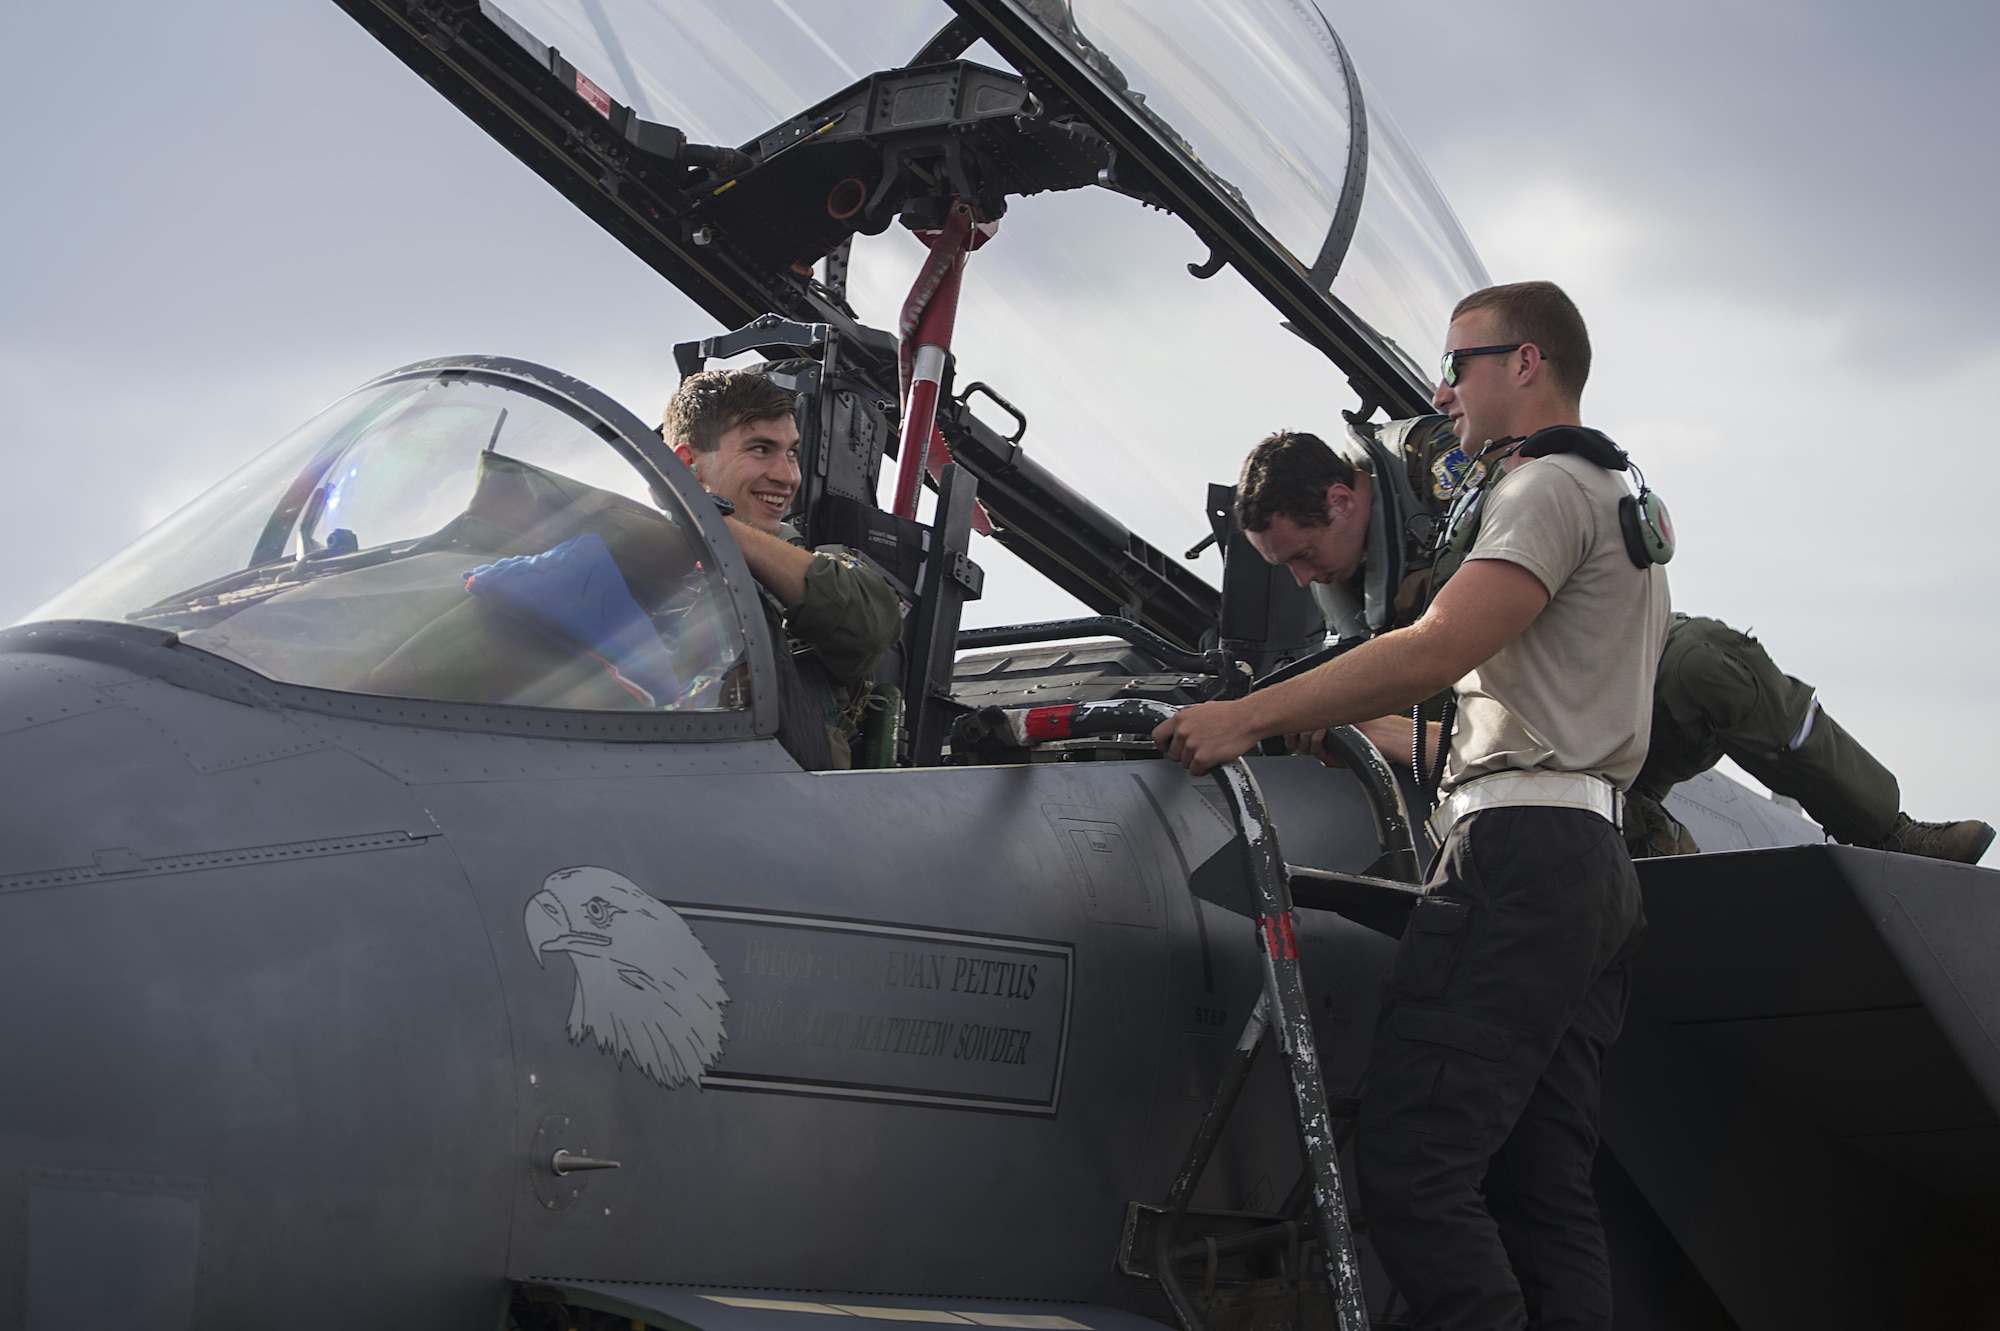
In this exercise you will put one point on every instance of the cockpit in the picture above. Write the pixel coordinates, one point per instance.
(478, 533)
(454, 533)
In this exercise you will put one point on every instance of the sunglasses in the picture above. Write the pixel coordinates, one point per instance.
(1448, 366)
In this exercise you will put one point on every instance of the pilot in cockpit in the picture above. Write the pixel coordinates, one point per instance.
(735, 429)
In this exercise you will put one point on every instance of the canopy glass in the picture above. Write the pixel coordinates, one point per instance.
(441, 535)
(724, 71)
(1255, 92)
(1410, 261)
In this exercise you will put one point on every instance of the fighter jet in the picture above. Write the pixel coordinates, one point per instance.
(412, 919)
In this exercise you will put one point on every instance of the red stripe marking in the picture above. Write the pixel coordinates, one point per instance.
(599, 99)
(1279, 939)
(1049, 722)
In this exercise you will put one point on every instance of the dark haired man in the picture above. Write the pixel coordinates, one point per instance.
(737, 432)
(1479, 1120)
(1303, 505)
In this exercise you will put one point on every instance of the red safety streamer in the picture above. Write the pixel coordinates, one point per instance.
(929, 314)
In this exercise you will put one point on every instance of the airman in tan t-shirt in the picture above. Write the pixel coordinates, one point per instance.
(1574, 691)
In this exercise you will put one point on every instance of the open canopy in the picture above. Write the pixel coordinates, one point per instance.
(1125, 142)
(1282, 152)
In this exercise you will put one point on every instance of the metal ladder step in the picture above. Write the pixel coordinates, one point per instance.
(1282, 1010)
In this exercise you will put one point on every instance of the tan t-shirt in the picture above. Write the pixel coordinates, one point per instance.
(1574, 692)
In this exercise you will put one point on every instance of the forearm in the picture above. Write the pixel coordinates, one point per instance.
(1392, 735)
(1482, 609)
(778, 564)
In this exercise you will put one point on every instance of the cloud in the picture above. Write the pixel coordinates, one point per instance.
(1785, 149)
(1557, 225)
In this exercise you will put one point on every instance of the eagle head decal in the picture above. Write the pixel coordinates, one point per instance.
(645, 986)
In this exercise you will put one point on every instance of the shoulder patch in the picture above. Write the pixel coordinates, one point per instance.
(1452, 473)
(843, 556)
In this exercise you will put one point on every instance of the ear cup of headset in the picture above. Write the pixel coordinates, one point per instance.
(1647, 527)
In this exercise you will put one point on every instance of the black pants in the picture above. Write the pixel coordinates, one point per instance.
(1479, 1121)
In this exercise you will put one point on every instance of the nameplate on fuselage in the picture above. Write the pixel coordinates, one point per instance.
(888, 1012)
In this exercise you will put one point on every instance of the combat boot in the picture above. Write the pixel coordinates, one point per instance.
(1963, 841)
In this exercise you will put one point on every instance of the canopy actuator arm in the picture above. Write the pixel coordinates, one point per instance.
(948, 43)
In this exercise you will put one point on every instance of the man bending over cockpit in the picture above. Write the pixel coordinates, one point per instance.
(735, 429)
(1309, 507)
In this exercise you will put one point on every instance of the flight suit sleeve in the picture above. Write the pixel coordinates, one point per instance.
(849, 615)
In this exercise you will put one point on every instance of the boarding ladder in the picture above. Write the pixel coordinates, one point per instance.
(1282, 1008)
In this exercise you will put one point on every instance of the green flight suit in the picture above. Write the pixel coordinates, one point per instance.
(847, 619)
(1717, 694)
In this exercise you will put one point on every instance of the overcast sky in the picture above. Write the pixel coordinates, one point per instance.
(222, 214)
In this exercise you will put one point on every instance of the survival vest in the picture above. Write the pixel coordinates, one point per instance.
(1428, 473)
(1417, 469)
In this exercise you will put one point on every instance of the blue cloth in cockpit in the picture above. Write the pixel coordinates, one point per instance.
(575, 593)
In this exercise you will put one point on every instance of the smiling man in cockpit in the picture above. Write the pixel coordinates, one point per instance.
(735, 429)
